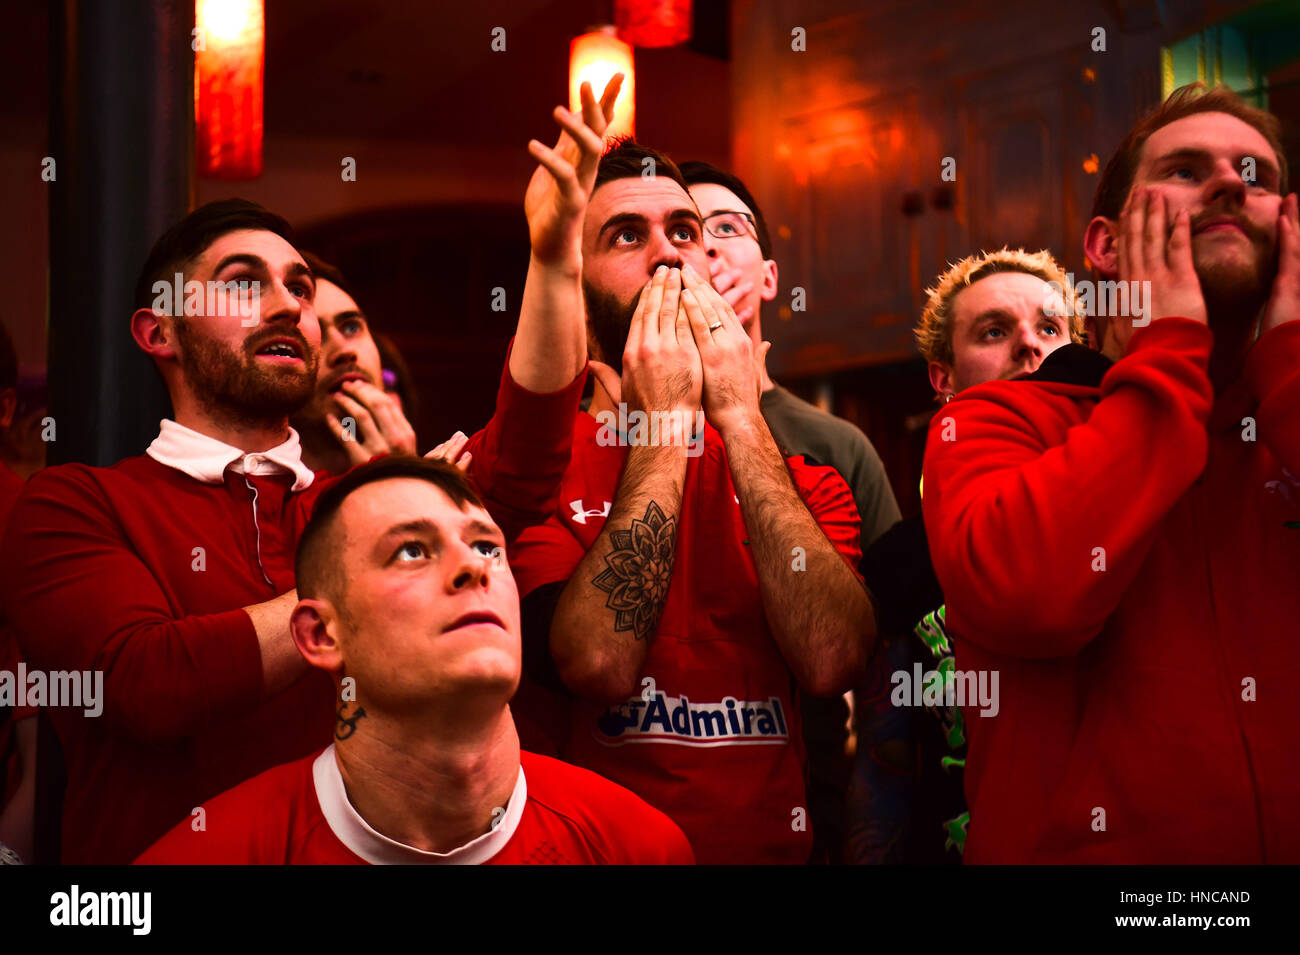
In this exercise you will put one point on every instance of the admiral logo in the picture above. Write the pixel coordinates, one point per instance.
(580, 515)
(675, 719)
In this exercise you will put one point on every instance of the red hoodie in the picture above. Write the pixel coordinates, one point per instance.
(1126, 557)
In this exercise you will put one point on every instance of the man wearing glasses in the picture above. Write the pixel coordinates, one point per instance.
(742, 269)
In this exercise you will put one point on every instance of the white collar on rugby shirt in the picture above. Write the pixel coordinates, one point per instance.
(377, 849)
(205, 458)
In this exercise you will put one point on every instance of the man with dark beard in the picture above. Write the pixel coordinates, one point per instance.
(692, 580)
(1117, 536)
(171, 574)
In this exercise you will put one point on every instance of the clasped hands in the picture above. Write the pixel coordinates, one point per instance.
(687, 350)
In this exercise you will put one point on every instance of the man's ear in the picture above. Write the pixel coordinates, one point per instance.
(153, 334)
(313, 625)
(1099, 244)
(769, 290)
(941, 378)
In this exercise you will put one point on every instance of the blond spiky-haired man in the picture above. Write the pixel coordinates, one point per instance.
(992, 315)
(996, 315)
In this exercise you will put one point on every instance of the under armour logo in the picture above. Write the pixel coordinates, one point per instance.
(580, 516)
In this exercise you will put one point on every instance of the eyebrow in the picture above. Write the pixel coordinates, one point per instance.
(636, 218)
(991, 314)
(1188, 153)
(342, 316)
(423, 525)
(483, 527)
(258, 263)
(242, 258)
(1002, 313)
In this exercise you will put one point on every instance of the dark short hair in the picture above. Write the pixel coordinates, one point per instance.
(186, 240)
(8, 360)
(625, 159)
(316, 565)
(696, 172)
(324, 270)
(1117, 179)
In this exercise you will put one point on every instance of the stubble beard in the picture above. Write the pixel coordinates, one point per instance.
(1235, 289)
(609, 321)
(234, 386)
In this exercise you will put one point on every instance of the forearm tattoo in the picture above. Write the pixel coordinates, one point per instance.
(637, 572)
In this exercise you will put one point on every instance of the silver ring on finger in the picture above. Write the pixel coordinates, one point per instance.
(715, 326)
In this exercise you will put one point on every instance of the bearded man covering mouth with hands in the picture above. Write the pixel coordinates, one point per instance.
(677, 602)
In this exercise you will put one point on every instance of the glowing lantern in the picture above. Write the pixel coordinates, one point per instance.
(594, 58)
(650, 23)
(228, 59)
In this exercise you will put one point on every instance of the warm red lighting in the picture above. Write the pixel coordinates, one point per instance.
(594, 58)
(649, 23)
(228, 87)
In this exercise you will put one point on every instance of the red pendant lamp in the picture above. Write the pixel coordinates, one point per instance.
(228, 63)
(652, 23)
(595, 57)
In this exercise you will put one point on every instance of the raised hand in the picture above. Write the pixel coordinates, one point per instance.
(380, 425)
(1150, 252)
(453, 451)
(1284, 303)
(733, 379)
(557, 194)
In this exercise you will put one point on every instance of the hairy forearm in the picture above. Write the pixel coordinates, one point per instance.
(282, 664)
(819, 613)
(610, 608)
(551, 341)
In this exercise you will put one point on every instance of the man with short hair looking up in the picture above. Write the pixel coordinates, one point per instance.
(408, 604)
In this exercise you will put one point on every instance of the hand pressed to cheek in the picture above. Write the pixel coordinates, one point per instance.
(1284, 300)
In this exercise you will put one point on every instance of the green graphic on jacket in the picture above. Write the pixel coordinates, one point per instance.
(934, 634)
(956, 830)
